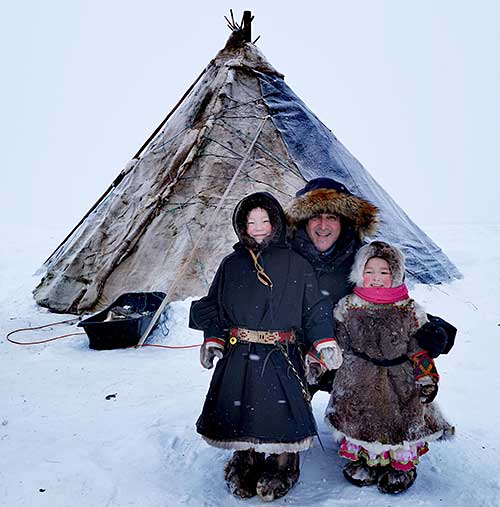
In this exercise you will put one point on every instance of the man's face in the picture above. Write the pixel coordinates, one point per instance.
(323, 230)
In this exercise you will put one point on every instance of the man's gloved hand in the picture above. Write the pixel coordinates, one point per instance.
(332, 356)
(208, 352)
(428, 390)
(314, 369)
(432, 338)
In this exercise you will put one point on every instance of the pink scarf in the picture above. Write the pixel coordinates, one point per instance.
(382, 295)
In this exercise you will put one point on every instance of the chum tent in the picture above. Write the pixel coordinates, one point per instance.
(155, 221)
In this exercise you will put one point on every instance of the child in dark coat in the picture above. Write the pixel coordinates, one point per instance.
(258, 400)
(380, 407)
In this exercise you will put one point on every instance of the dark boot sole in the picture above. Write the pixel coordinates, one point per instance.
(395, 482)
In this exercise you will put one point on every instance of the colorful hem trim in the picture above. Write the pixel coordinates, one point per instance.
(402, 459)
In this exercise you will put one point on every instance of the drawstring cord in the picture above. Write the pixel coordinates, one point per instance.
(262, 276)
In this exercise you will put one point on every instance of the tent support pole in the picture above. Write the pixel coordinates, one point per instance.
(188, 260)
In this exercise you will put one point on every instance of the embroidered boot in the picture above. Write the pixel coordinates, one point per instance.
(281, 473)
(396, 481)
(360, 474)
(242, 471)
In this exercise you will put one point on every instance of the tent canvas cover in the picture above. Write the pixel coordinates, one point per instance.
(143, 231)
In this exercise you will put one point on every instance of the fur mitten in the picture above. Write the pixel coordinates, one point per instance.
(424, 367)
(209, 351)
(428, 390)
(332, 356)
(314, 368)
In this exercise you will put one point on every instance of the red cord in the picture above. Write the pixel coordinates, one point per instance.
(42, 327)
(171, 346)
(74, 334)
(40, 341)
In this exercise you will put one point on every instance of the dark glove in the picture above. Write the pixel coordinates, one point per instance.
(432, 338)
(451, 331)
(201, 314)
(428, 392)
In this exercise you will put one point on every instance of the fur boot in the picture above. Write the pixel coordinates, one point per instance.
(396, 481)
(360, 474)
(242, 471)
(281, 473)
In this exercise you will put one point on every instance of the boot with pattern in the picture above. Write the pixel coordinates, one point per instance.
(360, 474)
(242, 471)
(281, 473)
(396, 481)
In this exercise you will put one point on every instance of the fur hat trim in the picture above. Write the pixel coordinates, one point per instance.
(361, 213)
(276, 214)
(393, 255)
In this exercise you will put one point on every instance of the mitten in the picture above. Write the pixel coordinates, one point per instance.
(332, 356)
(426, 375)
(423, 367)
(209, 350)
(433, 338)
(314, 368)
(428, 389)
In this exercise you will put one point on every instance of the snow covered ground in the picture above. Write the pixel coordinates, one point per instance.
(62, 442)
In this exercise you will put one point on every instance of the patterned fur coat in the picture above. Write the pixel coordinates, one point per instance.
(379, 407)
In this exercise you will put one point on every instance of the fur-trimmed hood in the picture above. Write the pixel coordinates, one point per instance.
(393, 255)
(361, 213)
(276, 214)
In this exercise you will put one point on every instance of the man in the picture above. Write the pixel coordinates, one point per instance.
(329, 224)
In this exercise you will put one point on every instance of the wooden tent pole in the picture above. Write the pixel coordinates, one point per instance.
(120, 177)
(247, 26)
(208, 227)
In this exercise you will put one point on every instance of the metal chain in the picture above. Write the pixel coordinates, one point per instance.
(303, 387)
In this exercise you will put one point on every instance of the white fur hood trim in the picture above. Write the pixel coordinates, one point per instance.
(271, 448)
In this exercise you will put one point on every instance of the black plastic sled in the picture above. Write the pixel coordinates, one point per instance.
(123, 322)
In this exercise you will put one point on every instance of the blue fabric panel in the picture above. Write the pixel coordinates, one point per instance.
(317, 152)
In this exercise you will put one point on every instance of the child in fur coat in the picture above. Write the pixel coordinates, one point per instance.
(381, 406)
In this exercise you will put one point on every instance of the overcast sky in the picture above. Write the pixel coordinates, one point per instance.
(410, 88)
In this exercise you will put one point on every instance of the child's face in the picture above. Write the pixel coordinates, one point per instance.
(258, 224)
(377, 273)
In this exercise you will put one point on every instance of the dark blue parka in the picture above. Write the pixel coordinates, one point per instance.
(257, 391)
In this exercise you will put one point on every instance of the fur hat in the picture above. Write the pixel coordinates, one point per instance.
(276, 214)
(393, 255)
(324, 195)
(316, 183)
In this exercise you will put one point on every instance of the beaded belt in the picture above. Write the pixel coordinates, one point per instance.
(264, 337)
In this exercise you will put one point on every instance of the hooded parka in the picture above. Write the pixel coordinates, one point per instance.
(375, 406)
(358, 219)
(258, 397)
